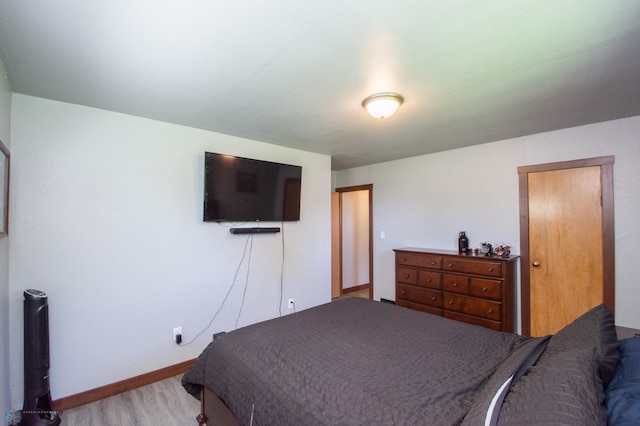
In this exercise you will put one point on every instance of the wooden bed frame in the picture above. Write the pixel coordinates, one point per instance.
(626, 332)
(213, 411)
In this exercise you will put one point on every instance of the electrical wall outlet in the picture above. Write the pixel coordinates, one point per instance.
(177, 332)
(291, 304)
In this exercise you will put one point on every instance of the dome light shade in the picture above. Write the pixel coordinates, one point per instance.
(382, 105)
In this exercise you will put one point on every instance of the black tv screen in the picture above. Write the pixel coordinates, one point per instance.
(240, 189)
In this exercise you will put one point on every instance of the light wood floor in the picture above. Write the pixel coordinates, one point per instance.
(164, 403)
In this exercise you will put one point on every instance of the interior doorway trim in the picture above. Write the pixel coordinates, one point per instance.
(608, 241)
(369, 188)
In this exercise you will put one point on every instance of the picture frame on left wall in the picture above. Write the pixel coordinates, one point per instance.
(5, 161)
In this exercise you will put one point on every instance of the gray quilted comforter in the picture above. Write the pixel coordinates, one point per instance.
(357, 361)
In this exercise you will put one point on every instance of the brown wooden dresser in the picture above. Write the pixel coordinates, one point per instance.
(476, 289)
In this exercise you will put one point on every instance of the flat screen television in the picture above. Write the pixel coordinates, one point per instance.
(238, 189)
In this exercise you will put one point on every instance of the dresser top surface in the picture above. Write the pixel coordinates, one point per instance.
(454, 253)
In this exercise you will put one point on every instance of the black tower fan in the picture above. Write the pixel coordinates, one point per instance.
(38, 408)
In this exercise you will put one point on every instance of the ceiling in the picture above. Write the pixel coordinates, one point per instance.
(294, 73)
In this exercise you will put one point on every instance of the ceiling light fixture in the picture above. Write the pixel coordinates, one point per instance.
(382, 105)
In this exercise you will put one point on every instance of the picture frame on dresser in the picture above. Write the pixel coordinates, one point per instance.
(5, 161)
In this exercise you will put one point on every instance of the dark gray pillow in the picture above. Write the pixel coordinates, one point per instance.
(594, 329)
(562, 388)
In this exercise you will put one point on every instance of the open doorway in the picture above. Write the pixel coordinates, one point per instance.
(352, 241)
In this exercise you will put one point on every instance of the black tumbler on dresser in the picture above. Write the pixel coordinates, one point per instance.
(37, 409)
(463, 243)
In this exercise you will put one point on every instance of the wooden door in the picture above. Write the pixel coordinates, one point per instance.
(568, 230)
(336, 253)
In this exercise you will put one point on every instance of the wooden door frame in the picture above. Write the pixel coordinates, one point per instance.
(369, 188)
(608, 241)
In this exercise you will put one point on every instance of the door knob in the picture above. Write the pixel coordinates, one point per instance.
(536, 264)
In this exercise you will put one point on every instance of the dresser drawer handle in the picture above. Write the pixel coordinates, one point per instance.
(433, 298)
(433, 262)
(450, 302)
(491, 310)
(428, 280)
(404, 291)
(489, 269)
(484, 289)
(404, 259)
(406, 276)
(455, 284)
(450, 265)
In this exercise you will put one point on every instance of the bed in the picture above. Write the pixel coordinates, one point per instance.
(357, 361)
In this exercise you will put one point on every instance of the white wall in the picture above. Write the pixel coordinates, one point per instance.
(107, 220)
(355, 238)
(5, 137)
(425, 201)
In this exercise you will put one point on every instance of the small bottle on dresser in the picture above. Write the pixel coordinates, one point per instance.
(463, 243)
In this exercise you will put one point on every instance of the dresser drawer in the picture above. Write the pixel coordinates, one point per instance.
(477, 267)
(489, 289)
(472, 306)
(419, 295)
(456, 283)
(430, 279)
(419, 307)
(407, 275)
(422, 260)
